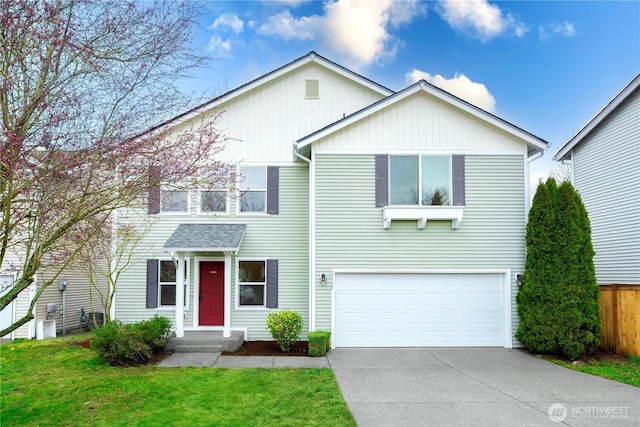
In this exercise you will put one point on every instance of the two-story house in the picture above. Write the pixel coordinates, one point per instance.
(389, 218)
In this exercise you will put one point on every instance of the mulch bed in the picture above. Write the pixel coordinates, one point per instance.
(269, 348)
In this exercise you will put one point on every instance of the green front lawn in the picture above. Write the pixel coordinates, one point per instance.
(53, 383)
(624, 371)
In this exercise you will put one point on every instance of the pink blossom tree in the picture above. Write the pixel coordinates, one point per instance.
(82, 81)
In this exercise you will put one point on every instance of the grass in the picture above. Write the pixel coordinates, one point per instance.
(53, 383)
(624, 371)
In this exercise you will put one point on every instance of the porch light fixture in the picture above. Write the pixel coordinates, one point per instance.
(323, 278)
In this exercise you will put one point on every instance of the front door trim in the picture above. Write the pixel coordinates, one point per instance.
(196, 291)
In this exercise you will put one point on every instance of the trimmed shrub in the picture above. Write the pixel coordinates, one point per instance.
(558, 302)
(319, 343)
(122, 344)
(285, 327)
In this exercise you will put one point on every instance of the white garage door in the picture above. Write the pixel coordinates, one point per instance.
(414, 310)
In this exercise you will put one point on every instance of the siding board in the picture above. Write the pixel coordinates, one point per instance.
(349, 231)
(607, 175)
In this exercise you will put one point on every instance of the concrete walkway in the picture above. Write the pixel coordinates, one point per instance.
(219, 361)
(476, 387)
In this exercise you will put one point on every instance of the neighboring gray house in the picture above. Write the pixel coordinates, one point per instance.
(389, 218)
(605, 160)
(49, 318)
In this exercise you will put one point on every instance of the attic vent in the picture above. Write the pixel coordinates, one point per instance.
(312, 89)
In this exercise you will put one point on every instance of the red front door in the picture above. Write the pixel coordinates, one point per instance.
(211, 293)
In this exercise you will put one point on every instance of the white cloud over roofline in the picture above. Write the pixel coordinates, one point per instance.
(460, 85)
(360, 31)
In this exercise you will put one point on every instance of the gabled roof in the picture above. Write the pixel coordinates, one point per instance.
(206, 238)
(608, 109)
(534, 143)
(266, 78)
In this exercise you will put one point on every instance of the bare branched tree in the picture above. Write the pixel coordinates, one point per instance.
(80, 78)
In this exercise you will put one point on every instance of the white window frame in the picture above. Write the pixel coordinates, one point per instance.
(214, 213)
(168, 189)
(239, 283)
(161, 283)
(420, 195)
(239, 184)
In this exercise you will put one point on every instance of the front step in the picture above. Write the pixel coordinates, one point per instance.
(205, 342)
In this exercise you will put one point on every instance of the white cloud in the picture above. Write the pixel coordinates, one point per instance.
(219, 47)
(289, 27)
(230, 21)
(479, 19)
(565, 29)
(358, 30)
(460, 85)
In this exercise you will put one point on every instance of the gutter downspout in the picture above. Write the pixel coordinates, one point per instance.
(312, 242)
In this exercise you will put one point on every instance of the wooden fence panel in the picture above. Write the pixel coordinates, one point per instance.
(620, 315)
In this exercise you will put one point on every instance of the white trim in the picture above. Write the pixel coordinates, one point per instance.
(597, 119)
(161, 307)
(196, 287)
(250, 189)
(506, 289)
(213, 213)
(239, 307)
(433, 91)
(227, 296)
(422, 214)
(180, 294)
(175, 213)
(199, 249)
(14, 276)
(420, 181)
(401, 152)
(312, 241)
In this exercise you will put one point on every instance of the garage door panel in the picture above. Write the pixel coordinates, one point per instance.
(414, 309)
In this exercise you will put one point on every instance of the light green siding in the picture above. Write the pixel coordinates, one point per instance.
(349, 233)
(283, 236)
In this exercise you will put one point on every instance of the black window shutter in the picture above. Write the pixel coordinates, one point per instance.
(273, 190)
(272, 283)
(457, 169)
(152, 283)
(382, 180)
(154, 190)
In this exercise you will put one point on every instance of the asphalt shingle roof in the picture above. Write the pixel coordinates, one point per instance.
(206, 237)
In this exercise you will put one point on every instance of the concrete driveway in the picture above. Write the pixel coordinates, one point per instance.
(476, 387)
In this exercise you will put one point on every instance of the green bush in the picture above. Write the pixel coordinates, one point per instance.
(131, 344)
(285, 327)
(319, 343)
(558, 302)
(155, 332)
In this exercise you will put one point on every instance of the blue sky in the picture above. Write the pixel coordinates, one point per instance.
(545, 66)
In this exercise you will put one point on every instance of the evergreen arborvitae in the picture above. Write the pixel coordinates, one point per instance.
(558, 302)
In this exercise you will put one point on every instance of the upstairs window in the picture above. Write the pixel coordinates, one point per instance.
(420, 180)
(253, 189)
(174, 201)
(213, 202)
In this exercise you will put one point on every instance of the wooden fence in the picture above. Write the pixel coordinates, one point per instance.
(620, 314)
